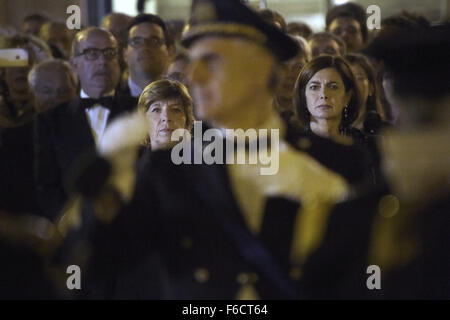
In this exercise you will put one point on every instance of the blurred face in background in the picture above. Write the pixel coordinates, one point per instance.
(179, 66)
(32, 26)
(291, 70)
(53, 86)
(58, 35)
(16, 80)
(349, 30)
(117, 23)
(16, 77)
(362, 82)
(324, 46)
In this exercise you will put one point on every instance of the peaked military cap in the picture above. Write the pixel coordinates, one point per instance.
(418, 59)
(232, 18)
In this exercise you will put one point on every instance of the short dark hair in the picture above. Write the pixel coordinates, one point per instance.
(272, 17)
(349, 10)
(308, 71)
(299, 27)
(153, 19)
(35, 17)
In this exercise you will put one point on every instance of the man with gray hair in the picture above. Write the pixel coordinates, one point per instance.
(65, 132)
(52, 82)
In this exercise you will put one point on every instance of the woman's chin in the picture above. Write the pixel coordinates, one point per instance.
(163, 145)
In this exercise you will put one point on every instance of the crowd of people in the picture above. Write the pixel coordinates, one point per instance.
(88, 177)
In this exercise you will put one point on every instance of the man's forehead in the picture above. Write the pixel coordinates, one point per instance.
(324, 42)
(97, 40)
(147, 28)
(344, 21)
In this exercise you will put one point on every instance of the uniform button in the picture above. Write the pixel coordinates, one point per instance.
(247, 278)
(295, 273)
(242, 278)
(388, 206)
(186, 242)
(303, 143)
(201, 275)
(253, 278)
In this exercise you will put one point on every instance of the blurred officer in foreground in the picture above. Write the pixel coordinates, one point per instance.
(221, 231)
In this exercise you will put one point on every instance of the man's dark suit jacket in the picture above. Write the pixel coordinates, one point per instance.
(62, 135)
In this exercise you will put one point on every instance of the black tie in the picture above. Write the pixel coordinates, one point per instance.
(106, 102)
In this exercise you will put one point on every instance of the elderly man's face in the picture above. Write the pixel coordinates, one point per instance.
(349, 30)
(225, 74)
(98, 66)
(52, 88)
(146, 52)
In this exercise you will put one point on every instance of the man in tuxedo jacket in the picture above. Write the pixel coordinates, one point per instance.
(222, 231)
(66, 132)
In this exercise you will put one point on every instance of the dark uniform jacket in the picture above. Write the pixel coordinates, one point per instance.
(186, 219)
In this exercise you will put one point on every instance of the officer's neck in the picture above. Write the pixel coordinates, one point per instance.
(251, 115)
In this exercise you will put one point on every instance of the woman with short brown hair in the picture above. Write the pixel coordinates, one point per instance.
(168, 106)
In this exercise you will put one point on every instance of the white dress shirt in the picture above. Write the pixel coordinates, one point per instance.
(97, 117)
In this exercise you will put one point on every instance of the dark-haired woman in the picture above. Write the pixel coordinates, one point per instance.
(372, 116)
(327, 100)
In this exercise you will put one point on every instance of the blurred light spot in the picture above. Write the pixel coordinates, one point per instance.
(388, 206)
(201, 275)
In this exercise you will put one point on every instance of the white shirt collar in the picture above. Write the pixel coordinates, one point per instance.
(83, 94)
(135, 90)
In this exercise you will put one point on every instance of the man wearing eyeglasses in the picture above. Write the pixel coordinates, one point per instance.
(147, 53)
(66, 132)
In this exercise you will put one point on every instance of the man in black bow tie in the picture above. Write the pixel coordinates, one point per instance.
(66, 132)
